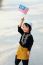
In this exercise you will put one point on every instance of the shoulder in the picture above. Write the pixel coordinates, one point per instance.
(31, 37)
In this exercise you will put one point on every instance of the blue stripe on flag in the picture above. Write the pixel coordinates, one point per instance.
(22, 7)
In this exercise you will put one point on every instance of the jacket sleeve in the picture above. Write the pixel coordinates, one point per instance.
(29, 43)
(20, 30)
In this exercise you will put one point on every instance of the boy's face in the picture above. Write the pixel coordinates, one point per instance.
(25, 29)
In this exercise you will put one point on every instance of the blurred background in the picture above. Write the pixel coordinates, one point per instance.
(9, 36)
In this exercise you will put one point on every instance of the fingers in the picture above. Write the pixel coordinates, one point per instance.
(22, 19)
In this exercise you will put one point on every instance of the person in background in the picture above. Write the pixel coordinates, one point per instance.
(25, 43)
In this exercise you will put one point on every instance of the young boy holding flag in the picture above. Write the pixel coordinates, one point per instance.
(25, 43)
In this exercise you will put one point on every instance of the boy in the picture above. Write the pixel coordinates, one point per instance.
(26, 42)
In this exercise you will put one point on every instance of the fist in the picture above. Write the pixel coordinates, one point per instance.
(22, 19)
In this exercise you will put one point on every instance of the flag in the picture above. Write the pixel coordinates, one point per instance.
(23, 9)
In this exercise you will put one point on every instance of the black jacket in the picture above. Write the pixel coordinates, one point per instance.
(26, 39)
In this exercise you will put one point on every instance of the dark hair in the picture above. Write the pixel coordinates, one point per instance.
(27, 25)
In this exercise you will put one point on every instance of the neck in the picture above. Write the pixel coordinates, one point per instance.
(27, 33)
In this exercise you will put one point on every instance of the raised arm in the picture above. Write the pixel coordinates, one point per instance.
(19, 26)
